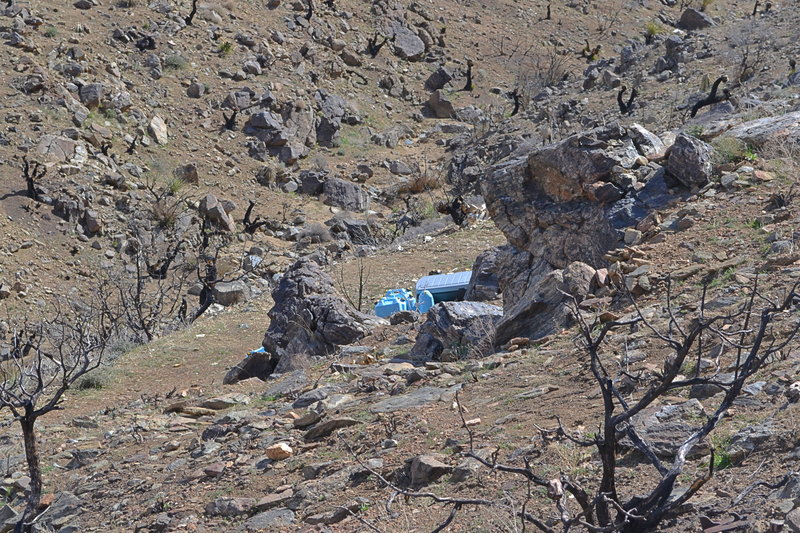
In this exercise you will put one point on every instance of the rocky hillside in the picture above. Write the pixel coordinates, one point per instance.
(619, 175)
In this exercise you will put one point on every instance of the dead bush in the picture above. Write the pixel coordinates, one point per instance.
(421, 183)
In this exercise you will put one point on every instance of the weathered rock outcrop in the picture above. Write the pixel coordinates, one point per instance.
(782, 128)
(460, 328)
(309, 317)
(561, 208)
(214, 210)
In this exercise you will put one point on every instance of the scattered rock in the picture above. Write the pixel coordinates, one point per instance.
(425, 469)
(279, 451)
(158, 129)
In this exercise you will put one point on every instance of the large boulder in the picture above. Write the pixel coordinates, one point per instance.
(535, 297)
(344, 194)
(309, 317)
(546, 202)
(562, 207)
(461, 328)
(690, 161)
(406, 44)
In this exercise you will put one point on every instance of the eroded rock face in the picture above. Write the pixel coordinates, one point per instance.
(549, 203)
(309, 317)
(562, 207)
(782, 128)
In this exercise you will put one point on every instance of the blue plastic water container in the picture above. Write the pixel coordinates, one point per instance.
(394, 301)
(445, 287)
(425, 301)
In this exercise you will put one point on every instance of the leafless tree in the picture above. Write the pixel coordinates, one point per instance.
(47, 356)
(757, 333)
(536, 72)
(355, 295)
(150, 293)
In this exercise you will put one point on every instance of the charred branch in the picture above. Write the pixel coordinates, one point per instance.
(32, 174)
(230, 121)
(468, 85)
(192, 13)
(374, 47)
(712, 97)
(626, 107)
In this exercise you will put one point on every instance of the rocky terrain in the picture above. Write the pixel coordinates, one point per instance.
(618, 174)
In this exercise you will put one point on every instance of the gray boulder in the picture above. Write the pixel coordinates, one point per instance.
(231, 292)
(692, 19)
(92, 94)
(666, 428)
(462, 328)
(690, 161)
(545, 204)
(309, 317)
(344, 194)
(311, 182)
(438, 79)
(407, 45)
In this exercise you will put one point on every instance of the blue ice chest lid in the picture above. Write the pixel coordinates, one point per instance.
(438, 282)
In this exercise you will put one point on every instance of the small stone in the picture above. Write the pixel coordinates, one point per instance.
(632, 236)
(279, 451)
(214, 470)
